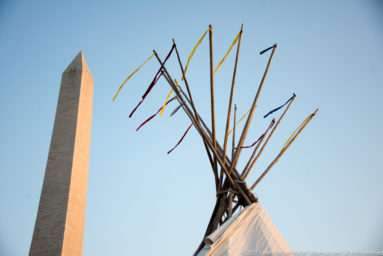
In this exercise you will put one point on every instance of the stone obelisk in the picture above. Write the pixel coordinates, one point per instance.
(59, 226)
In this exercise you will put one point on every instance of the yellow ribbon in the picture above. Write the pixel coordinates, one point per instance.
(228, 134)
(296, 130)
(163, 107)
(131, 76)
(231, 47)
(193, 51)
(186, 67)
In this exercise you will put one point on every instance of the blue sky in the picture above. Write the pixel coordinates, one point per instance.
(324, 194)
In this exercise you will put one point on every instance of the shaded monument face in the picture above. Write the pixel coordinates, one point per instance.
(60, 219)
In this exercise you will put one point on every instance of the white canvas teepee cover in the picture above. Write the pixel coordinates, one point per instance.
(251, 232)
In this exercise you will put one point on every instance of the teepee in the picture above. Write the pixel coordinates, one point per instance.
(250, 232)
(231, 230)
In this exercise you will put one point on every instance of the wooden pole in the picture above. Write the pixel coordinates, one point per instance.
(186, 82)
(234, 122)
(231, 195)
(244, 133)
(230, 103)
(206, 147)
(212, 98)
(246, 172)
(247, 197)
(188, 112)
(235, 173)
(281, 153)
(248, 121)
(203, 134)
(230, 205)
(214, 163)
(236, 207)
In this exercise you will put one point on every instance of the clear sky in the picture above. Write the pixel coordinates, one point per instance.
(324, 194)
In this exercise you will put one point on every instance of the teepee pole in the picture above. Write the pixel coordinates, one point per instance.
(202, 133)
(247, 171)
(197, 116)
(233, 141)
(189, 114)
(282, 151)
(235, 173)
(231, 195)
(250, 117)
(219, 148)
(186, 82)
(230, 205)
(212, 99)
(206, 147)
(230, 103)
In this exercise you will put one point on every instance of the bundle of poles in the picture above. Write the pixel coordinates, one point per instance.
(232, 190)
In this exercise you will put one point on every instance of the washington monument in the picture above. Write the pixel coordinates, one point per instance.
(59, 226)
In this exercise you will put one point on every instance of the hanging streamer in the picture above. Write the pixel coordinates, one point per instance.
(170, 93)
(265, 50)
(194, 49)
(231, 47)
(296, 130)
(150, 118)
(119, 89)
(183, 136)
(163, 107)
(186, 67)
(252, 145)
(278, 108)
(238, 122)
(156, 78)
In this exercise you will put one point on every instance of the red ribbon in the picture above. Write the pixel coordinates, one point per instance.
(183, 136)
(252, 145)
(155, 79)
(150, 118)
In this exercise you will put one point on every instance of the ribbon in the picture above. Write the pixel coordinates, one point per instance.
(265, 50)
(183, 136)
(150, 118)
(163, 106)
(143, 97)
(155, 79)
(170, 93)
(231, 47)
(278, 108)
(238, 122)
(296, 130)
(186, 67)
(119, 89)
(252, 145)
(194, 49)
